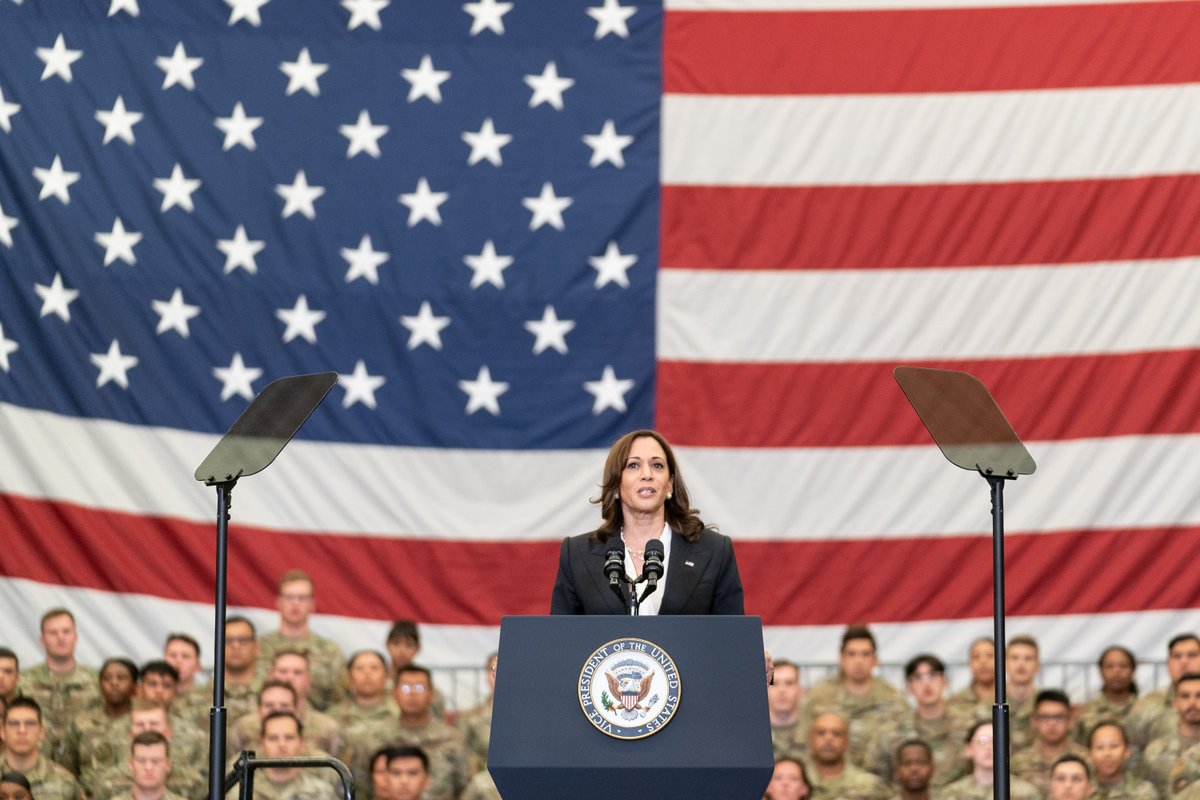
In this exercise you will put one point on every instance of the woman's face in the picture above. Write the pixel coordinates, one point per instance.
(645, 482)
(1108, 753)
(1116, 671)
(787, 782)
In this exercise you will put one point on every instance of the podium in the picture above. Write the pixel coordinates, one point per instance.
(616, 706)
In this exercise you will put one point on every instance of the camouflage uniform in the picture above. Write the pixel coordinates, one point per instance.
(189, 742)
(790, 741)
(1183, 781)
(95, 743)
(944, 735)
(967, 788)
(50, 781)
(476, 727)
(240, 700)
(852, 784)
(1161, 756)
(363, 739)
(881, 704)
(348, 712)
(481, 787)
(326, 665)
(1033, 766)
(1147, 714)
(1097, 710)
(1021, 724)
(447, 756)
(62, 696)
(1128, 788)
(967, 703)
(305, 786)
(182, 780)
(168, 796)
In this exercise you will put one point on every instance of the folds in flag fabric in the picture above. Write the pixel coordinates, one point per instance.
(518, 230)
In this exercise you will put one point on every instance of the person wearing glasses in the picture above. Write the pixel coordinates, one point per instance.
(420, 727)
(243, 677)
(1051, 739)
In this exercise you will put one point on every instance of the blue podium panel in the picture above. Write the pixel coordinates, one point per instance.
(610, 706)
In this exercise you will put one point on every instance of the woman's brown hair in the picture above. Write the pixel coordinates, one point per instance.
(679, 513)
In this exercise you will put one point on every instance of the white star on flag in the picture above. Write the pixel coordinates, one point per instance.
(118, 123)
(247, 10)
(609, 391)
(174, 314)
(240, 251)
(425, 80)
(364, 136)
(177, 190)
(611, 18)
(299, 196)
(113, 366)
(364, 261)
(423, 204)
(548, 87)
(425, 328)
(130, 7)
(483, 392)
(56, 298)
(303, 74)
(612, 267)
(360, 386)
(607, 145)
(487, 15)
(546, 208)
(238, 129)
(6, 112)
(58, 59)
(488, 267)
(485, 144)
(237, 378)
(7, 348)
(118, 243)
(178, 68)
(6, 225)
(550, 331)
(365, 12)
(55, 181)
(300, 321)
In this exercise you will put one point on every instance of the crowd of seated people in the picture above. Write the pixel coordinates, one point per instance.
(140, 731)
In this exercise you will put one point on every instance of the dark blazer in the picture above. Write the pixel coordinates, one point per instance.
(702, 578)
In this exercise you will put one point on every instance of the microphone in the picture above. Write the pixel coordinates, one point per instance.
(653, 567)
(614, 562)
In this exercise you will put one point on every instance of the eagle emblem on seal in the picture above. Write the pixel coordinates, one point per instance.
(632, 688)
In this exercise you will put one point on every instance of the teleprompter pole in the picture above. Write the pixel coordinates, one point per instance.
(218, 713)
(1000, 718)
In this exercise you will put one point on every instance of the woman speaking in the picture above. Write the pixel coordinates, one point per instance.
(643, 497)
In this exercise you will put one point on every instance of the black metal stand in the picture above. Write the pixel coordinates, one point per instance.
(1000, 718)
(243, 772)
(217, 715)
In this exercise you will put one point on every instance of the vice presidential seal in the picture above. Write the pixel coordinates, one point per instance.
(629, 688)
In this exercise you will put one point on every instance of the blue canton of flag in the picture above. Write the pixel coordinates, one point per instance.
(453, 205)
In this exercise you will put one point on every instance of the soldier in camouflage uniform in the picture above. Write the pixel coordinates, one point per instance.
(1118, 692)
(932, 722)
(246, 731)
(1184, 778)
(420, 727)
(1070, 778)
(99, 737)
(14, 785)
(321, 731)
(833, 775)
(182, 652)
(863, 700)
(1021, 666)
(481, 787)
(403, 645)
(149, 764)
(789, 729)
(476, 723)
(1052, 740)
(188, 778)
(1162, 753)
(977, 784)
(23, 735)
(158, 686)
(368, 675)
(1109, 751)
(326, 663)
(61, 686)
(408, 773)
(914, 770)
(283, 737)
(789, 781)
(1153, 716)
(975, 701)
(243, 678)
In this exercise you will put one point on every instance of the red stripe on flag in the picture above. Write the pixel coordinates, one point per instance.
(966, 49)
(755, 405)
(828, 582)
(861, 227)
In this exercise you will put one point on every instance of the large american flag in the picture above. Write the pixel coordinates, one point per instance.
(519, 229)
